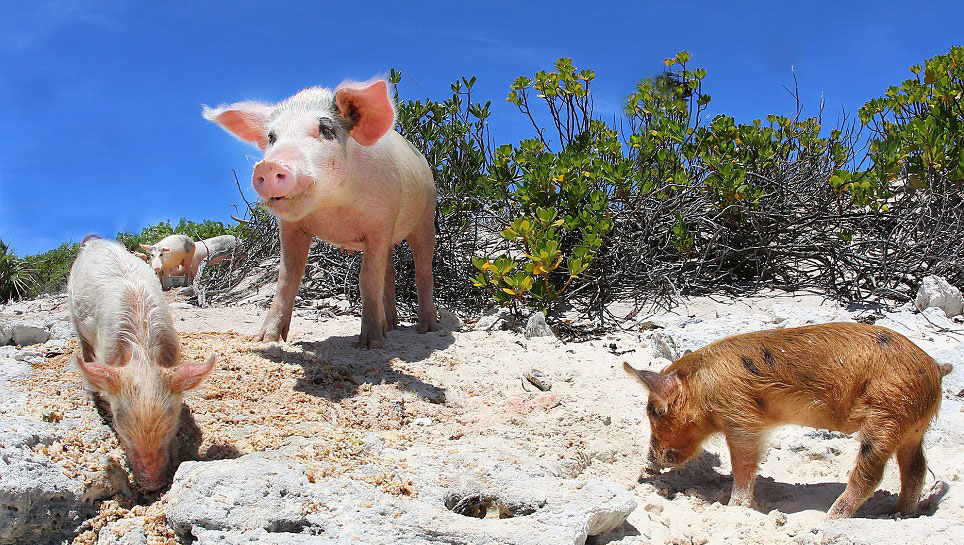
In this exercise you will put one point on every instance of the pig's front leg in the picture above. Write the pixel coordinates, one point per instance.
(744, 458)
(165, 280)
(371, 281)
(295, 242)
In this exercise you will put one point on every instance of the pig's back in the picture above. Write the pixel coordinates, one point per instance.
(821, 373)
(107, 285)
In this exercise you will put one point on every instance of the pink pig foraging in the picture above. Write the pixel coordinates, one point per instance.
(130, 353)
(335, 168)
(169, 253)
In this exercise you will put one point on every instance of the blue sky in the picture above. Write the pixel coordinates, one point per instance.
(100, 126)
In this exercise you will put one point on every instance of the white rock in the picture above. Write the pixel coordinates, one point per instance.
(536, 326)
(6, 332)
(123, 532)
(664, 346)
(422, 421)
(28, 333)
(495, 318)
(935, 291)
(61, 331)
(449, 320)
(259, 499)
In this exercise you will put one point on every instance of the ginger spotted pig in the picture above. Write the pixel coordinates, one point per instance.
(846, 377)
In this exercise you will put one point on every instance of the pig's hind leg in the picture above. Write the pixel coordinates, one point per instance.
(878, 440)
(913, 467)
(422, 243)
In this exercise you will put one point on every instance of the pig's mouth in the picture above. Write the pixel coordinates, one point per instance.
(286, 199)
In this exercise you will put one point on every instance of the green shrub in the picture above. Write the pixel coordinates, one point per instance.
(153, 233)
(917, 127)
(51, 268)
(16, 277)
(554, 210)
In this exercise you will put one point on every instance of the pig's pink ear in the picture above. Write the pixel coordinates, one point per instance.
(368, 108)
(187, 376)
(103, 378)
(165, 250)
(246, 120)
(665, 387)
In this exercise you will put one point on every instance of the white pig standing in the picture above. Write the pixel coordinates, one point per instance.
(219, 248)
(169, 253)
(130, 353)
(335, 168)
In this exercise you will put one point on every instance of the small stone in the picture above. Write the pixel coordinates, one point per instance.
(537, 327)
(28, 333)
(422, 421)
(664, 347)
(538, 379)
(936, 291)
(61, 331)
(6, 332)
(449, 320)
(495, 319)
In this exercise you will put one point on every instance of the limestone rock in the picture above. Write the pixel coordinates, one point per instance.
(261, 499)
(449, 320)
(494, 319)
(537, 327)
(28, 333)
(935, 291)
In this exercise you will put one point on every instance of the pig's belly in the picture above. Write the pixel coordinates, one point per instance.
(824, 420)
(352, 235)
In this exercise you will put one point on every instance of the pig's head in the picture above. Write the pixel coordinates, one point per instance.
(155, 256)
(307, 142)
(677, 424)
(145, 404)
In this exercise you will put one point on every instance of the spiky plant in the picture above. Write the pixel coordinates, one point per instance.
(16, 277)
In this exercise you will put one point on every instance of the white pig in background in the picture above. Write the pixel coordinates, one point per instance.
(335, 168)
(219, 248)
(169, 253)
(130, 353)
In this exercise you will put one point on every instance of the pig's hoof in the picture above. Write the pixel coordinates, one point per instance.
(425, 327)
(740, 501)
(368, 343)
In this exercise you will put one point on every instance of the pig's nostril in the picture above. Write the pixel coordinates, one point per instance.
(260, 179)
(280, 176)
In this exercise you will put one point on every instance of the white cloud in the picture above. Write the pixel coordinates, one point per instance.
(26, 25)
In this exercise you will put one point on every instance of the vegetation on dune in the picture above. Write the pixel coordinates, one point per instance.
(660, 202)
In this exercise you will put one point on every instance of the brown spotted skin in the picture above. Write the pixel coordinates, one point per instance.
(847, 377)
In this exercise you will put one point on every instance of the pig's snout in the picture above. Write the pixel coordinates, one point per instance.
(272, 180)
(659, 458)
(150, 470)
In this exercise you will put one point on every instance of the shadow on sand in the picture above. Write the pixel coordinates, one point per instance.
(703, 479)
(334, 368)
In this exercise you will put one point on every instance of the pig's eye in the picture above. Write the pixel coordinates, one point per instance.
(653, 411)
(325, 128)
(271, 137)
